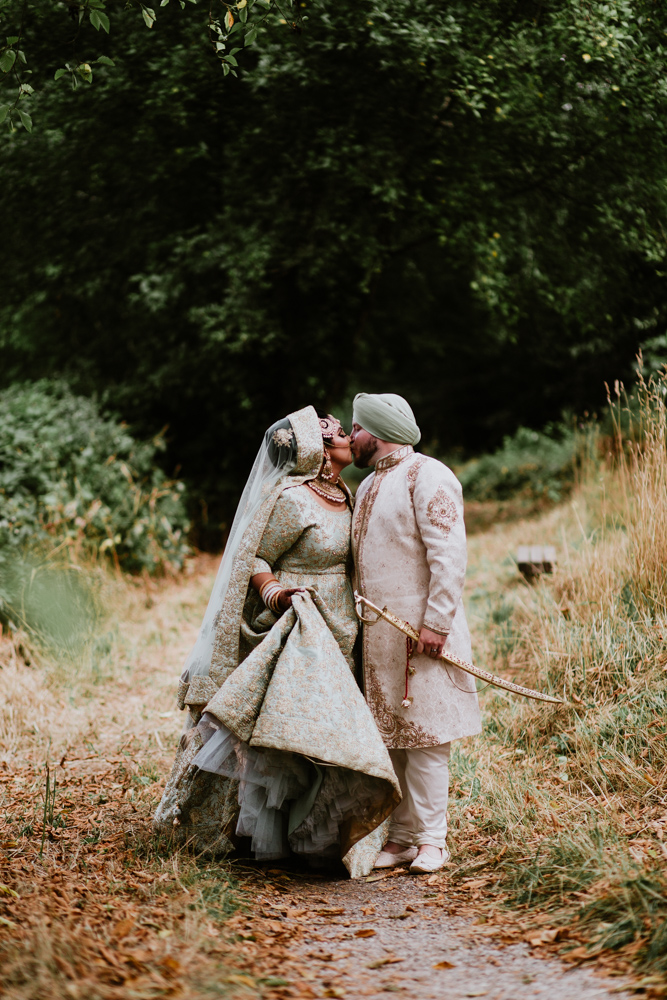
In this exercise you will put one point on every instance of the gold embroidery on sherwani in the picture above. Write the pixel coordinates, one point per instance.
(441, 510)
(393, 458)
(412, 474)
(364, 512)
(366, 506)
(399, 543)
(401, 734)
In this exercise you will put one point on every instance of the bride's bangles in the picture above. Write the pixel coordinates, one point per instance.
(270, 594)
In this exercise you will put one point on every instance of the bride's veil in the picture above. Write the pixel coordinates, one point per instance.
(276, 458)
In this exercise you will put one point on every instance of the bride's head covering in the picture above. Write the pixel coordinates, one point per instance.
(292, 452)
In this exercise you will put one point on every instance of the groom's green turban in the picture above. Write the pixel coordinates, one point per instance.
(386, 416)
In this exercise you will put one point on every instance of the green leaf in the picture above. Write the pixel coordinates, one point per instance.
(7, 60)
(26, 120)
(243, 14)
(4, 111)
(12, 39)
(250, 36)
(232, 60)
(149, 16)
(105, 60)
(99, 20)
(58, 73)
(225, 68)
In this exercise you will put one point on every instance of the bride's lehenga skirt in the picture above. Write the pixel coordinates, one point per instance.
(287, 803)
(297, 764)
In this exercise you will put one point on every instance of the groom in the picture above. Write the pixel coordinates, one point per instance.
(409, 545)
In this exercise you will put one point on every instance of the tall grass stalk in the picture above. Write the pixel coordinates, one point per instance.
(574, 800)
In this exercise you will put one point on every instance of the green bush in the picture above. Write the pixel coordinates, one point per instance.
(532, 465)
(77, 483)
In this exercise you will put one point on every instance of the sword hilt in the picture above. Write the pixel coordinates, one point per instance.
(361, 602)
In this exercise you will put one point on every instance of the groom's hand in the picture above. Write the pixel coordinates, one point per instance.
(430, 643)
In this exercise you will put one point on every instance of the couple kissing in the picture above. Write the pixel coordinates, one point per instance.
(302, 737)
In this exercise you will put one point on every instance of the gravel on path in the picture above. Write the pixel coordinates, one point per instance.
(360, 939)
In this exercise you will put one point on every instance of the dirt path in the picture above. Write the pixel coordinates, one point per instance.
(92, 908)
(397, 935)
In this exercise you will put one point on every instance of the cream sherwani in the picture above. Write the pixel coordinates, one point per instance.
(409, 545)
(410, 553)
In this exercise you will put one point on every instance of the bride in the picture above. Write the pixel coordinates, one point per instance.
(279, 744)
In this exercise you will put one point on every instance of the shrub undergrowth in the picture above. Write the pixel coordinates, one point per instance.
(530, 465)
(76, 490)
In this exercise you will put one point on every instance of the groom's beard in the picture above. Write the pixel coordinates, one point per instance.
(363, 455)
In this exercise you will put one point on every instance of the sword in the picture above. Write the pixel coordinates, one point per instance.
(362, 603)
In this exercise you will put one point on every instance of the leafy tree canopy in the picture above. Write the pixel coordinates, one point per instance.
(463, 202)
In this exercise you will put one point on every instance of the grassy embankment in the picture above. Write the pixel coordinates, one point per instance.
(572, 802)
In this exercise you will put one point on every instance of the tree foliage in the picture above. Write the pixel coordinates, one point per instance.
(230, 27)
(464, 202)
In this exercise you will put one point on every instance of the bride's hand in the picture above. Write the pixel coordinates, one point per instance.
(285, 597)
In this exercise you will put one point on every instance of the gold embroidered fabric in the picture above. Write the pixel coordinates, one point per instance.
(283, 436)
(363, 508)
(397, 731)
(306, 545)
(413, 472)
(394, 458)
(310, 455)
(442, 510)
(289, 681)
(413, 561)
(434, 627)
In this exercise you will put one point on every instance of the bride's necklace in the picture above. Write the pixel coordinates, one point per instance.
(329, 491)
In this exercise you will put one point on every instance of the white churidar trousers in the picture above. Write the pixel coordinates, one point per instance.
(421, 816)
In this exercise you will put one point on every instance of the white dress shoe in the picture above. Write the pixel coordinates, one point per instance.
(387, 860)
(424, 863)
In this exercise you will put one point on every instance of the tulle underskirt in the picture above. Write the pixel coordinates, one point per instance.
(288, 803)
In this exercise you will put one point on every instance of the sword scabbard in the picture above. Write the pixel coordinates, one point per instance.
(484, 675)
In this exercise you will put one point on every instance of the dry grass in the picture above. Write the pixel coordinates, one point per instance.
(90, 904)
(573, 802)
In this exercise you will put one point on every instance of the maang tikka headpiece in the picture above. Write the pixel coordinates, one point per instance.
(323, 485)
(329, 427)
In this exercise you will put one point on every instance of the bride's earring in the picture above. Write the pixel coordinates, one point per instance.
(326, 471)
